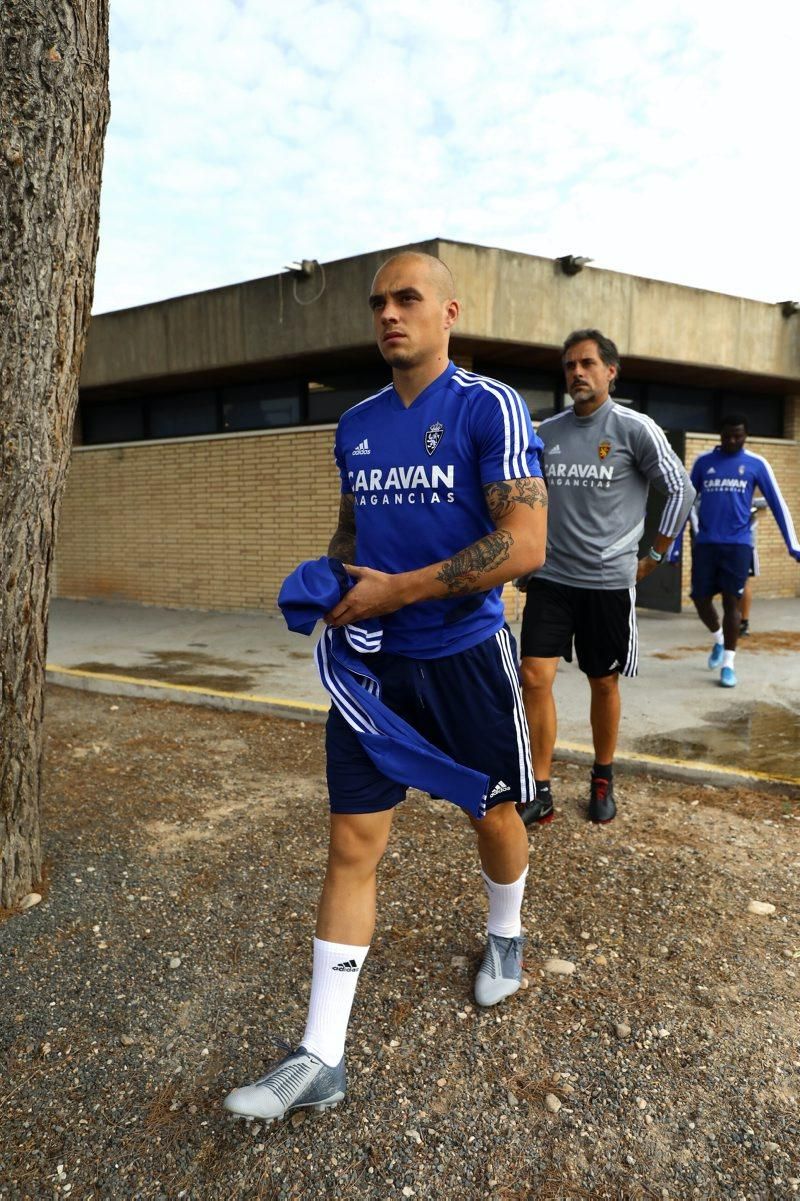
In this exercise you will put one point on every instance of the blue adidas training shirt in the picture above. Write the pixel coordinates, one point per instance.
(724, 485)
(417, 476)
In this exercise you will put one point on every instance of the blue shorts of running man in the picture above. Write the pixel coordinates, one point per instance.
(468, 704)
(720, 567)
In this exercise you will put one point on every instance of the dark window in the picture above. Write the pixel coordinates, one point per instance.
(630, 392)
(764, 414)
(260, 406)
(119, 421)
(681, 408)
(181, 415)
(331, 395)
(270, 404)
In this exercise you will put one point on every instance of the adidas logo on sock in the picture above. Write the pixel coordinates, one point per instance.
(499, 787)
(362, 448)
(349, 965)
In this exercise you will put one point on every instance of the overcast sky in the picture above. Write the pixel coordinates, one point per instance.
(658, 137)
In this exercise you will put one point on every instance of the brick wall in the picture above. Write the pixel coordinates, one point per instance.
(217, 523)
(208, 523)
(780, 574)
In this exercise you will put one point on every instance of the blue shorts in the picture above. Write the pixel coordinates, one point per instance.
(720, 567)
(468, 704)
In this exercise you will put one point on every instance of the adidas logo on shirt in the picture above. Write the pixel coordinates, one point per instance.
(499, 787)
(711, 471)
(349, 965)
(362, 448)
(554, 450)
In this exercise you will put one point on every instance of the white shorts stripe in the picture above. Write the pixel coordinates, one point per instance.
(527, 786)
(345, 702)
(632, 661)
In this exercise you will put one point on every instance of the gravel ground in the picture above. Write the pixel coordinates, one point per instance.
(172, 949)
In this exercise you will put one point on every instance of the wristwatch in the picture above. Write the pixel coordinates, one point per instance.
(655, 556)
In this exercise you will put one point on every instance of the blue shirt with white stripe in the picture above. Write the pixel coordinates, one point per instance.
(417, 476)
(725, 485)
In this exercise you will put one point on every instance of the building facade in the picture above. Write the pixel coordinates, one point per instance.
(203, 472)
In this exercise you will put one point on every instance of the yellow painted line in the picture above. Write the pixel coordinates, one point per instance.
(192, 688)
(694, 764)
(306, 706)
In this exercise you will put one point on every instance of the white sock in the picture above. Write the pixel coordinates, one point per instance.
(505, 903)
(727, 658)
(719, 637)
(337, 967)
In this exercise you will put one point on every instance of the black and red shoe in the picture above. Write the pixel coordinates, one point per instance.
(601, 801)
(538, 811)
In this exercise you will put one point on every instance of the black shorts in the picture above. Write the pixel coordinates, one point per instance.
(468, 704)
(602, 623)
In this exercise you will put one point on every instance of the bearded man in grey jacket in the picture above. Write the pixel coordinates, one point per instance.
(599, 460)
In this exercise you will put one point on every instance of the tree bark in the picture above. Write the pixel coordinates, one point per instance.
(53, 115)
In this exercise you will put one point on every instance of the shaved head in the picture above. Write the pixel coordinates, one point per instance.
(438, 273)
(413, 311)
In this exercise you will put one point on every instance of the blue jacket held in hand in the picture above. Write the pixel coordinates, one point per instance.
(395, 747)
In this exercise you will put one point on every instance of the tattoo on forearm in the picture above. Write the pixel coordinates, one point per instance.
(502, 496)
(343, 543)
(466, 571)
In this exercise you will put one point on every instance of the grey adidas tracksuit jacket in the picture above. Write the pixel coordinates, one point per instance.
(598, 470)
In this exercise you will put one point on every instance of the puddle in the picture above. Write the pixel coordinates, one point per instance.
(756, 737)
(184, 667)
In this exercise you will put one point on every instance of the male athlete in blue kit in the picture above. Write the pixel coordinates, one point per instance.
(442, 503)
(725, 479)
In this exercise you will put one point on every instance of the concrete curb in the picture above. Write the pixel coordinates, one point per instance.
(183, 694)
(575, 752)
(682, 769)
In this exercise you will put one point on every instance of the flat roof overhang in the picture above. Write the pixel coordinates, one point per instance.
(516, 309)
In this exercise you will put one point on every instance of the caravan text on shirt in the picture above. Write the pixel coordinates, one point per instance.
(430, 461)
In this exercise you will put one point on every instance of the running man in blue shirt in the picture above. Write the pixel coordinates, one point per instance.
(442, 503)
(725, 479)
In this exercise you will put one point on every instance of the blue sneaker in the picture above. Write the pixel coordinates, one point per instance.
(727, 678)
(715, 658)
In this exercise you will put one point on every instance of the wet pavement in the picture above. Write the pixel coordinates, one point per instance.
(674, 713)
(759, 736)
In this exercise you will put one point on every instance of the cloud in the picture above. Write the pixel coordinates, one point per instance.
(245, 133)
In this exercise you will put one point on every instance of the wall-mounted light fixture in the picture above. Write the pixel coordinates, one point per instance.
(571, 264)
(789, 307)
(302, 267)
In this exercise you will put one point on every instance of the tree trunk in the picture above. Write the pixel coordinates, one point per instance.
(53, 115)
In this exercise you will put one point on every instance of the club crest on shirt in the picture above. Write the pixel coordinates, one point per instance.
(604, 449)
(433, 436)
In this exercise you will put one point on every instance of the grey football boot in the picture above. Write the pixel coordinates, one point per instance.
(300, 1081)
(500, 973)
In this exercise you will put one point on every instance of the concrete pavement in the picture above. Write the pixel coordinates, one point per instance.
(676, 719)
